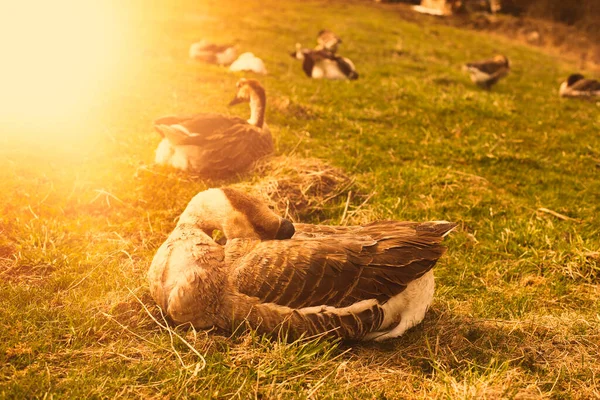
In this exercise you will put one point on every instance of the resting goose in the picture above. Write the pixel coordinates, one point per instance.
(577, 86)
(249, 62)
(370, 282)
(213, 53)
(327, 40)
(323, 64)
(487, 73)
(215, 145)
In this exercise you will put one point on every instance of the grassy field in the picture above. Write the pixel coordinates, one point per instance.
(516, 313)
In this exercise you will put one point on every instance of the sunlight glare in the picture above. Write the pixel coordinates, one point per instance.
(59, 56)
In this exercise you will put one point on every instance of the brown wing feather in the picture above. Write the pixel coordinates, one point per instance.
(586, 85)
(198, 123)
(170, 120)
(368, 262)
(235, 149)
(489, 66)
(219, 145)
(348, 323)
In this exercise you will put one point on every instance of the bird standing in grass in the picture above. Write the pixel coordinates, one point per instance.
(486, 73)
(215, 145)
(370, 282)
(577, 86)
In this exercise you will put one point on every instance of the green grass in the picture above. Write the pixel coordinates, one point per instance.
(516, 313)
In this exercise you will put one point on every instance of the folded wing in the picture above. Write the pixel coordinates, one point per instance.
(586, 85)
(376, 261)
(217, 144)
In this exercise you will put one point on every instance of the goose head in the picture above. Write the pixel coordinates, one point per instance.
(327, 40)
(251, 91)
(502, 59)
(574, 78)
(237, 214)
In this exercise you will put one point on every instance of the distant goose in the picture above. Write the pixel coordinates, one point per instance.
(370, 282)
(327, 40)
(214, 145)
(577, 86)
(213, 53)
(323, 64)
(486, 73)
(249, 62)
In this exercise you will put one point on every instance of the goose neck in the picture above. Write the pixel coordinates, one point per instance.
(257, 108)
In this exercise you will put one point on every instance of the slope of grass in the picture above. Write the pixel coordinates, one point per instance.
(516, 313)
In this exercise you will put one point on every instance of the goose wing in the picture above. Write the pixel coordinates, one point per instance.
(487, 66)
(340, 268)
(192, 126)
(333, 282)
(344, 64)
(236, 148)
(586, 85)
(222, 151)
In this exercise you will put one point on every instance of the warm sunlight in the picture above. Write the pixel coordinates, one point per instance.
(58, 57)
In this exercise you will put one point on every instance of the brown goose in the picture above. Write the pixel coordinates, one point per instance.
(213, 53)
(214, 145)
(370, 282)
(487, 73)
(577, 86)
(323, 64)
(327, 40)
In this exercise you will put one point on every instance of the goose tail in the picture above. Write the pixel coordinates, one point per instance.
(175, 134)
(438, 228)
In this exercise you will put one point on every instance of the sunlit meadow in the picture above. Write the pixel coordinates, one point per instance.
(83, 208)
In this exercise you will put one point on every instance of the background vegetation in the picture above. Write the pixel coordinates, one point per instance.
(516, 313)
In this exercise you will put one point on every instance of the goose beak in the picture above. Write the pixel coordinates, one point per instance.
(286, 230)
(236, 100)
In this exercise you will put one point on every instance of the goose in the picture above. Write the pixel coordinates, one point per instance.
(577, 86)
(214, 145)
(327, 40)
(213, 53)
(249, 62)
(369, 282)
(323, 64)
(487, 73)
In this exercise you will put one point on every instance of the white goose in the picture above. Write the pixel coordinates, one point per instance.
(370, 282)
(323, 64)
(214, 145)
(213, 53)
(249, 62)
(486, 73)
(577, 86)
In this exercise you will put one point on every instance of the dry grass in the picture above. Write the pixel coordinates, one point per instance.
(296, 187)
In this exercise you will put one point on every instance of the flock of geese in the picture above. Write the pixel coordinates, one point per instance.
(370, 282)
